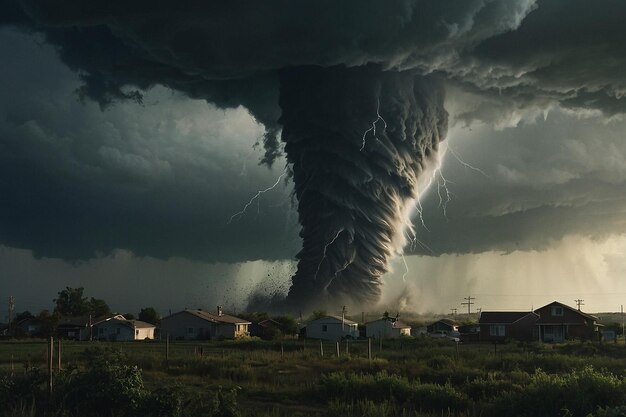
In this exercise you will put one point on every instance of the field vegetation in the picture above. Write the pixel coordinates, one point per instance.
(409, 377)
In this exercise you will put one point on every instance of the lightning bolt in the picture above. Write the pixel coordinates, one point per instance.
(443, 185)
(324, 253)
(415, 241)
(406, 267)
(256, 197)
(420, 211)
(373, 128)
(465, 164)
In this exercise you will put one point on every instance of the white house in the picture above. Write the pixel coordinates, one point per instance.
(122, 330)
(201, 325)
(387, 328)
(332, 328)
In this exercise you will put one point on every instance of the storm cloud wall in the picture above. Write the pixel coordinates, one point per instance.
(357, 139)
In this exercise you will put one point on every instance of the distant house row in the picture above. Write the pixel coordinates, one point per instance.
(338, 328)
(553, 322)
(184, 325)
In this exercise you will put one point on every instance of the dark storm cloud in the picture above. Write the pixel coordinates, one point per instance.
(77, 181)
(515, 55)
(546, 180)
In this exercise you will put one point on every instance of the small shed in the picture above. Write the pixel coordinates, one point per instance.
(123, 330)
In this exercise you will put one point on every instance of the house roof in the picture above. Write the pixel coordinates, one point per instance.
(269, 323)
(503, 317)
(588, 316)
(213, 317)
(446, 321)
(400, 325)
(345, 321)
(133, 324)
(83, 321)
(397, 324)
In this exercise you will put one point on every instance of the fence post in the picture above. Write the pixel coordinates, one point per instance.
(337, 349)
(50, 363)
(321, 348)
(282, 351)
(59, 349)
(347, 348)
(167, 349)
(369, 349)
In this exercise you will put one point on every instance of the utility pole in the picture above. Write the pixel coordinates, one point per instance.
(11, 308)
(453, 310)
(579, 303)
(468, 303)
(622, 309)
(343, 319)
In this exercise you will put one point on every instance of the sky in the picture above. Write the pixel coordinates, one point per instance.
(154, 201)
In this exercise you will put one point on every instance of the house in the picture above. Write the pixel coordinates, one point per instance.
(29, 326)
(387, 328)
(332, 328)
(443, 325)
(81, 328)
(191, 324)
(266, 329)
(116, 329)
(558, 322)
(496, 326)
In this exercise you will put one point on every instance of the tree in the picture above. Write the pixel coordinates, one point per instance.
(23, 315)
(149, 315)
(288, 325)
(99, 307)
(71, 302)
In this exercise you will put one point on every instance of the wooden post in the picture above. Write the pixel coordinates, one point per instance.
(304, 344)
(369, 349)
(50, 363)
(337, 349)
(282, 351)
(59, 349)
(202, 351)
(167, 348)
(347, 348)
(321, 348)
(380, 343)
(223, 354)
(12, 365)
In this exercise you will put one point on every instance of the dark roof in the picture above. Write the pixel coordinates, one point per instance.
(269, 323)
(83, 321)
(213, 317)
(503, 317)
(446, 321)
(589, 316)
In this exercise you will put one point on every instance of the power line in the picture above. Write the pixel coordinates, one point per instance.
(469, 303)
(579, 303)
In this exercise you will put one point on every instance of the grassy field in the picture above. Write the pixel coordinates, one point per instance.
(412, 377)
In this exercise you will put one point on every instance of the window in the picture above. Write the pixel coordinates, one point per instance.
(324, 327)
(190, 330)
(496, 330)
(557, 311)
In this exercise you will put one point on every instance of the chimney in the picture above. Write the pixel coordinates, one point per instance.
(219, 310)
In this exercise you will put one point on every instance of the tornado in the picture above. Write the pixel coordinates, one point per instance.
(358, 140)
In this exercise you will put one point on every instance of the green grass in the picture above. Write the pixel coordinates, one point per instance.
(416, 377)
